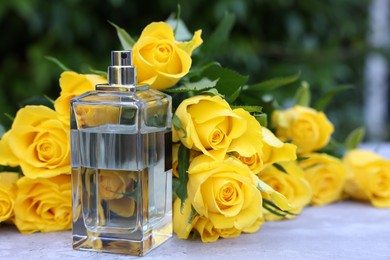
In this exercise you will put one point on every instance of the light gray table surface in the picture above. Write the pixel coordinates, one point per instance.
(343, 230)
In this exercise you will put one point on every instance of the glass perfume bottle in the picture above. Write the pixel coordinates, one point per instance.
(121, 164)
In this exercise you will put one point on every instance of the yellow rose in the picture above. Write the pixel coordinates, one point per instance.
(7, 194)
(7, 157)
(208, 124)
(160, 60)
(225, 192)
(326, 175)
(368, 177)
(43, 204)
(39, 142)
(271, 150)
(308, 129)
(248, 146)
(292, 185)
(73, 84)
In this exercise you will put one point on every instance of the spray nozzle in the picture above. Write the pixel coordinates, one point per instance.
(121, 71)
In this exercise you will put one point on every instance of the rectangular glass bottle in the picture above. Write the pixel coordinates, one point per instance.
(121, 164)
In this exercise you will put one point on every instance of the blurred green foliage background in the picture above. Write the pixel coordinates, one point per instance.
(323, 40)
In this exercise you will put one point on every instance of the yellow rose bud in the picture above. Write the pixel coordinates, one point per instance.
(368, 177)
(208, 124)
(160, 60)
(43, 204)
(326, 175)
(73, 84)
(292, 185)
(225, 192)
(309, 130)
(39, 142)
(8, 191)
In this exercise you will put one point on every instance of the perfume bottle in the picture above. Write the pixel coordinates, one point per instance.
(121, 164)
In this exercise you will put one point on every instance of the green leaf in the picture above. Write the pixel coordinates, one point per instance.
(177, 19)
(198, 86)
(229, 80)
(262, 119)
(277, 198)
(280, 168)
(303, 96)
(313, 165)
(49, 99)
(59, 63)
(321, 104)
(204, 83)
(250, 109)
(2, 130)
(180, 29)
(9, 117)
(192, 215)
(273, 83)
(234, 96)
(334, 148)
(99, 72)
(302, 158)
(354, 138)
(211, 92)
(274, 209)
(196, 72)
(177, 125)
(125, 39)
(183, 159)
(37, 100)
(219, 36)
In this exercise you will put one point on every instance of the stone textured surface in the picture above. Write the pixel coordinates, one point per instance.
(343, 230)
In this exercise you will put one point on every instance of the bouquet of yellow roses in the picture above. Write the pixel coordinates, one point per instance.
(230, 171)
